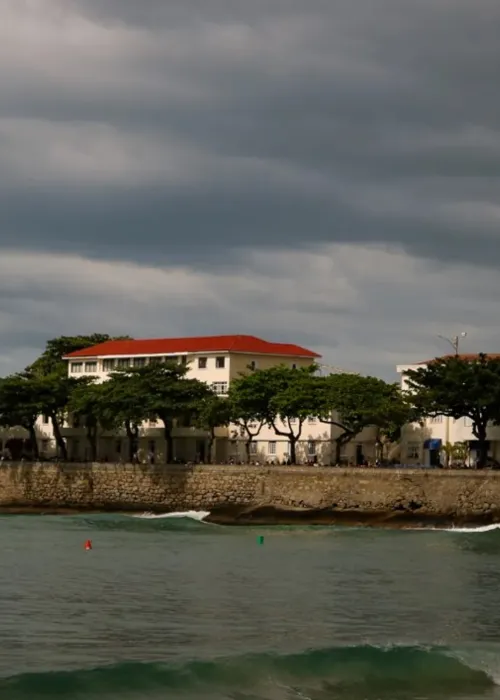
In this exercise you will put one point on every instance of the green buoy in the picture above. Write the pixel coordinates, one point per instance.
(260, 539)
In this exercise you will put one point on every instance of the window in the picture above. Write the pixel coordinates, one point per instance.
(219, 387)
(253, 448)
(108, 365)
(271, 447)
(155, 360)
(311, 448)
(286, 448)
(75, 420)
(292, 421)
(437, 419)
(45, 419)
(413, 450)
(76, 367)
(91, 366)
(118, 447)
(294, 365)
(253, 364)
(311, 419)
(220, 362)
(139, 362)
(202, 363)
(123, 362)
(184, 359)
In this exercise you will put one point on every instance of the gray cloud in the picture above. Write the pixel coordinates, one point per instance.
(196, 134)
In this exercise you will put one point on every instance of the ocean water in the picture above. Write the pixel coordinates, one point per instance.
(176, 608)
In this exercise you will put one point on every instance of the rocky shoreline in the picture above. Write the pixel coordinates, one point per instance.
(251, 495)
(269, 516)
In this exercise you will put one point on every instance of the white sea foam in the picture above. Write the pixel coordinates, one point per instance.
(198, 515)
(480, 528)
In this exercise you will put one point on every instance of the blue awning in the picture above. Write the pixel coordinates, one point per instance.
(433, 444)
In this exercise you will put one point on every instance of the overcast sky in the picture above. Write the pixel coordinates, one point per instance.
(324, 172)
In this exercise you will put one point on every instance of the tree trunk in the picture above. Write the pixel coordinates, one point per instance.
(92, 440)
(293, 449)
(132, 435)
(483, 447)
(63, 451)
(247, 448)
(169, 442)
(34, 441)
(211, 442)
(339, 443)
(338, 450)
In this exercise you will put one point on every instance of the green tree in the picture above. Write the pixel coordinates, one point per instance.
(51, 360)
(87, 401)
(390, 416)
(279, 396)
(20, 406)
(167, 394)
(49, 375)
(461, 452)
(353, 402)
(214, 412)
(123, 405)
(460, 387)
(246, 409)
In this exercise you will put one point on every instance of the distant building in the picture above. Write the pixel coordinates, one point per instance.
(15, 443)
(424, 444)
(216, 360)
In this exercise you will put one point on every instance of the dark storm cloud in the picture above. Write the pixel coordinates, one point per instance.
(360, 121)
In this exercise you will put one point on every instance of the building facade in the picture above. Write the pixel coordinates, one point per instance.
(217, 361)
(15, 442)
(429, 443)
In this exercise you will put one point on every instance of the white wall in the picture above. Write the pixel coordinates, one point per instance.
(439, 428)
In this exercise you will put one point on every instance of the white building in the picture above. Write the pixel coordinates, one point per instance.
(425, 444)
(217, 361)
(15, 442)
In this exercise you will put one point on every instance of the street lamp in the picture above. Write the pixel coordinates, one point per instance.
(455, 341)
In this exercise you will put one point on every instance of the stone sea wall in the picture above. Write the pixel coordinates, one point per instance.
(241, 494)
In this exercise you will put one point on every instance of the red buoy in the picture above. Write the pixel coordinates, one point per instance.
(88, 545)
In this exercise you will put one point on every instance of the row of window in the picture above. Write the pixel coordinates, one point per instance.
(124, 362)
(111, 364)
(272, 447)
(439, 419)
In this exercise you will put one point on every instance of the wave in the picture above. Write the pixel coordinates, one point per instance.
(141, 522)
(480, 528)
(198, 515)
(350, 672)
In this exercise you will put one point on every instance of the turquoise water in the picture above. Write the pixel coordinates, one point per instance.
(176, 608)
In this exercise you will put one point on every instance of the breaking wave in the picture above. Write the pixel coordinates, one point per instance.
(344, 672)
(198, 515)
(480, 528)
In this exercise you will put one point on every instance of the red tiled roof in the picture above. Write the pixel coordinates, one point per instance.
(463, 356)
(219, 343)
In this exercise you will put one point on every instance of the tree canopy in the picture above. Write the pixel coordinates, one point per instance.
(161, 391)
(353, 402)
(280, 396)
(20, 405)
(459, 387)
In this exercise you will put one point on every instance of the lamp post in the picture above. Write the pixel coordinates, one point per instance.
(455, 341)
